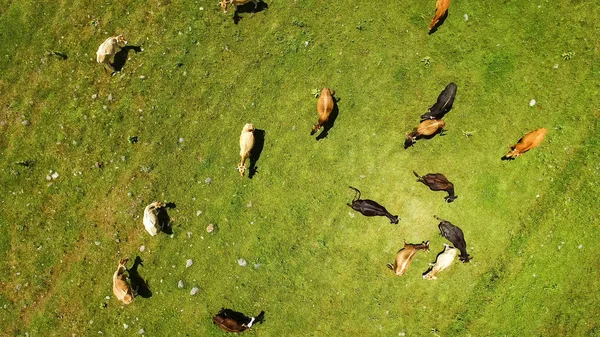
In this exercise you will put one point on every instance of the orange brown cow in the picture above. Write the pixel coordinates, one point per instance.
(405, 255)
(440, 10)
(426, 128)
(324, 108)
(528, 142)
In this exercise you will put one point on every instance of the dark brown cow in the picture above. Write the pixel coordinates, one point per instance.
(234, 321)
(438, 182)
(370, 208)
(454, 235)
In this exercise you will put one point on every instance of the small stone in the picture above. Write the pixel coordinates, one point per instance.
(207, 180)
(189, 234)
(97, 243)
(142, 77)
(194, 291)
(94, 96)
(532, 102)
(294, 128)
(257, 265)
(141, 331)
(242, 262)
(180, 284)
(107, 297)
(125, 326)
(201, 8)
(198, 213)
(249, 204)
(48, 177)
(110, 97)
(25, 123)
(189, 263)
(580, 246)
(556, 66)
(142, 248)
(54, 176)
(181, 139)
(351, 214)
(210, 228)
(362, 176)
(466, 17)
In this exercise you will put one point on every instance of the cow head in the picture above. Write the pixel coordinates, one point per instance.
(223, 5)
(121, 41)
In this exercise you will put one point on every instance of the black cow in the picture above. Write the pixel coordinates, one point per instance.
(456, 236)
(371, 208)
(234, 321)
(443, 104)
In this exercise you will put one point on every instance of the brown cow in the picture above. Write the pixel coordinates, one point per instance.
(426, 128)
(234, 321)
(405, 255)
(440, 10)
(324, 107)
(438, 182)
(121, 286)
(528, 142)
(236, 3)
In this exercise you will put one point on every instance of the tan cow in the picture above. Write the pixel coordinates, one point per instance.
(443, 261)
(324, 108)
(405, 255)
(107, 50)
(427, 127)
(236, 3)
(528, 142)
(121, 286)
(440, 10)
(246, 145)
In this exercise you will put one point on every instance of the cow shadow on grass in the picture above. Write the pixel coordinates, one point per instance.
(137, 282)
(439, 23)
(164, 221)
(122, 55)
(259, 144)
(248, 8)
(331, 121)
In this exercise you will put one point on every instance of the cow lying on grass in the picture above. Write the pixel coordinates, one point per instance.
(107, 50)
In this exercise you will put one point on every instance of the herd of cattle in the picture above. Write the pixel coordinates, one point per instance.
(430, 125)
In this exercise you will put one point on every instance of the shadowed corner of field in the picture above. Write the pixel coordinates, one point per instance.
(331, 121)
(249, 8)
(259, 144)
(164, 220)
(137, 282)
(122, 55)
(439, 23)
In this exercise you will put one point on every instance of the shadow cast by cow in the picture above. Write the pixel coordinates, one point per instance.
(331, 121)
(137, 282)
(122, 55)
(439, 23)
(164, 221)
(248, 8)
(259, 144)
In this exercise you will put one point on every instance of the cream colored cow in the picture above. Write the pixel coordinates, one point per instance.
(442, 262)
(151, 218)
(107, 50)
(236, 3)
(246, 145)
(121, 286)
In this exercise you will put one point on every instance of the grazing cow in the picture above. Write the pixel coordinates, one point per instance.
(151, 222)
(443, 104)
(528, 142)
(107, 50)
(246, 145)
(440, 10)
(324, 107)
(236, 3)
(233, 321)
(426, 128)
(121, 286)
(370, 208)
(438, 182)
(456, 236)
(405, 255)
(443, 261)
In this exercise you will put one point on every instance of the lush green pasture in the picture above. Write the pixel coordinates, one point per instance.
(315, 267)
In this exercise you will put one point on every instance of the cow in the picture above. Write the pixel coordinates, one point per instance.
(405, 255)
(370, 208)
(438, 182)
(151, 222)
(443, 261)
(246, 145)
(426, 128)
(236, 3)
(233, 321)
(324, 108)
(440, 10)
(443, 104)
(107, 50)
(121, 286)
(455, 235)
(528, 142)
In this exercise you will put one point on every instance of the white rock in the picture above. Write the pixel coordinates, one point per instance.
(141, 331)
(94, 96)
(466, 17)
(242, 262)
(110, 97)
(532, 102)
(125, 326)
(180, 284)
(556, 66)
(142, 248)
(188, 263)
(181, 139)
(207, 180)
(194, 291)
(198, 213)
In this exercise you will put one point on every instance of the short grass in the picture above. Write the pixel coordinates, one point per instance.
(314, 266)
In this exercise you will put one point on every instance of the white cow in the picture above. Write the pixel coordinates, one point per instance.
(107, 50)
(151, 218)
(442, 262)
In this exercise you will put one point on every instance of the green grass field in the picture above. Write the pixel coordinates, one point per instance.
(314, 266)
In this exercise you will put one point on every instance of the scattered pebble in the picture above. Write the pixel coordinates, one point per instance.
(210, 228)
(242, 262)
(556, 66)
(94, 96)
(110, 97)
(188, 263)
(294, 128)
(142, 77)
(107, 297)
(532, 102)
(25, 123)
(194, 291)
(207, 180)
(257, 265)
(249, 204)
(189, 234)
(142, 248)
(181, 139)
(180, 284)
(198, 213)
(362, 176)
(306, 43)
(466, 17)
(125, 326)
(537, 195)
(580, 246)
(97, 243)
(142, 331)
(351, 214)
